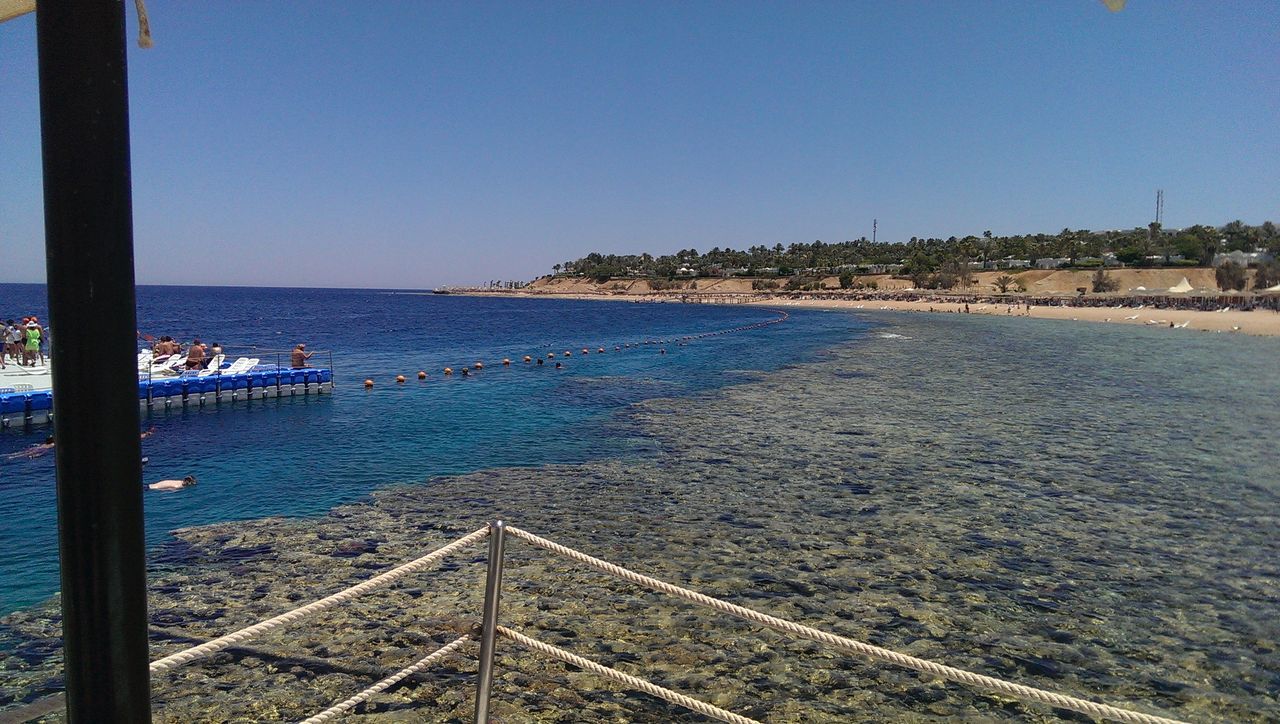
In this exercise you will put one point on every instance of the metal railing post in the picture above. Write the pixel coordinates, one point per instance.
(489, 626)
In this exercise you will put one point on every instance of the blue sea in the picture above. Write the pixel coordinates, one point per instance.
(303, 456)
(1090, 508)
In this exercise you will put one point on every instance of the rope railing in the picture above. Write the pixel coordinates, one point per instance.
(490, 627)
(347, 705)
(1019, 691)
(633, 682)
(209, 648)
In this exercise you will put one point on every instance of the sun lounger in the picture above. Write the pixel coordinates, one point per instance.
(215, 363)
(244, 364)
(162, 366)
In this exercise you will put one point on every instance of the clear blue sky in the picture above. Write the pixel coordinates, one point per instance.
(411, 144)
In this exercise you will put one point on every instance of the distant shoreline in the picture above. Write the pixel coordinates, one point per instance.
(1262, 323)
(1111, 310)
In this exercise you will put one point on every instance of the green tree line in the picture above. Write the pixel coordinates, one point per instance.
(1134, 247)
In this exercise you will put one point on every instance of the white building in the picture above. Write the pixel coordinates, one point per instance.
(1011, 263)
(1243, 258)
(1052, 263)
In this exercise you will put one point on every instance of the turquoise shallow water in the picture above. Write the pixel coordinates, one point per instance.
(303, 456)
(1078, 507)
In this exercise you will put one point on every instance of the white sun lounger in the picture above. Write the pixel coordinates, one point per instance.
(214, 363)
(244, 364)
(168, 365)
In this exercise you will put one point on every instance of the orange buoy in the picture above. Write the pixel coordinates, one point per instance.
(400, 379)
(479, 365)
(448, 370)
(506, 362)
(368, 384)
(422, 375)
(527, 358)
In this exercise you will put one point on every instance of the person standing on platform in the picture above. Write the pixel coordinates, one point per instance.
(195, 355)
(32, 349)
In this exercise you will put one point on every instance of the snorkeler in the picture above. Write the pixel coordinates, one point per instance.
(36, 451)
(32, 452)
(186, 482)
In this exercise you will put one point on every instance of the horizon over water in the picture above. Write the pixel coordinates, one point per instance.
(302, 456)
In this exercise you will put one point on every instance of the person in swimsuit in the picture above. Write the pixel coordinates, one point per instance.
(195, 355)
(173, 484)
(32, 452)
(298, 358)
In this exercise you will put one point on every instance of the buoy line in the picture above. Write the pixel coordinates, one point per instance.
(682, 340)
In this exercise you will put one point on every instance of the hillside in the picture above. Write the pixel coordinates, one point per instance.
(1036, 281)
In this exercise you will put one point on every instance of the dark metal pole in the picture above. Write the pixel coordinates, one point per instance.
(84, 124)
(489, 626)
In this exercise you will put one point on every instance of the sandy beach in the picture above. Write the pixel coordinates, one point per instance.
(1257, 322)
(1260, 323)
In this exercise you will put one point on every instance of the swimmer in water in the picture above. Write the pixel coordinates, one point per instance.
(32, 452)
(36, 451)
(174, 484)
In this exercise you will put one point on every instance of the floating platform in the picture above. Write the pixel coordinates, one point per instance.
(22, 405)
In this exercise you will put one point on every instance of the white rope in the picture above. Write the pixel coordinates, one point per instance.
(674, 697)
(346, 706)
(1026, 693)
(186, 656)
